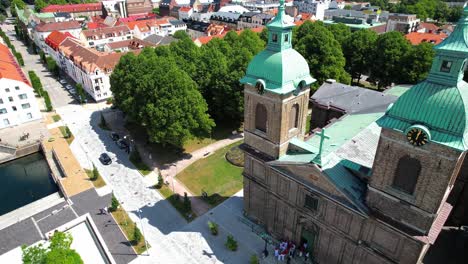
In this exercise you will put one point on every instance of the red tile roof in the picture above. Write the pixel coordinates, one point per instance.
(55, 38)
(100, 32)
(48, 27)
(429, 26)
(185, 9)
(9, 69)
(379, 29)
(416, 38)
(72, 8)
(205, 39)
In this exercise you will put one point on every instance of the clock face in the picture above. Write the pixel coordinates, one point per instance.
(417, 136)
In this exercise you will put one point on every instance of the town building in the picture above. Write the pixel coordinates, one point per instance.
(227, 19)
(139, 7)
(76, 10)
(253, 20)
(417, 38)
(114, 8)
(372, 186)
(41, 31)
(101, 36)
(262, 6)
(404, 23)
(18, 103)
(314, 7)
(127, 45)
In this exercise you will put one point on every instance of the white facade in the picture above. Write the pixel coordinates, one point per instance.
(316, 8)
(185, 14)
(100, 39)
(18, 103)
(336, 4)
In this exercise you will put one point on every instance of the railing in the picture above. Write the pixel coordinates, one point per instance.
(52, 173)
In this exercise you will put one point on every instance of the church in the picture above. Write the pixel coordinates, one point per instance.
(372, 186)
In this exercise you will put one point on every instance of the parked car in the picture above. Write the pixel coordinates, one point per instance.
(122, 144)
(114, 136)
(62, 81)
(72, 91)
(69, 87)
(105, 159)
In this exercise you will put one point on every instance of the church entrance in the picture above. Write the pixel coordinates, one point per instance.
(309, 237)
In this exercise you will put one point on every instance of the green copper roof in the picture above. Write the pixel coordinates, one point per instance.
(279, 68)
(397, 90)
(458, 40)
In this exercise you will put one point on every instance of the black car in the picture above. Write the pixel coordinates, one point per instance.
(114, 136)
(122, 144)
(105, 159)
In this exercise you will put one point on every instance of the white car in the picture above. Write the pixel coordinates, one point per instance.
(62, 81)
(69, 87)
(72, 91)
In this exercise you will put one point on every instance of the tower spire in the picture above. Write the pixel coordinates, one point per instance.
(280, 31)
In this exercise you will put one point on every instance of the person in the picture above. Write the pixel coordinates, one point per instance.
(276, 253)
(306, 256)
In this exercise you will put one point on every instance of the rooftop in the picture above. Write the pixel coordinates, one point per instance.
(9, 69)
(65, 25)
(103, 31)
(416, 38)
(72, 8)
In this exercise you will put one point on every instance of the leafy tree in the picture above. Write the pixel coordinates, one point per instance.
(264, 34)
(39, 5)
(114, 204)
(58, 251)
(52, 66)
(95, 175)
(2, 18)
(231, 243)
(19, 58)
(347, 7)
(160, 182)
(81, 93)
(340, 31)
(18, 3)
(322, 52)
(154, 92)
(357, 51)
(42, 56)
(137, 236)
(418, 62)
(180, 34)
(47, 101)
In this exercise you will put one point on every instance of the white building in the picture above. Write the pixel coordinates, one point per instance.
(162, 27)
(18, 103)
(102, 36)
(41, 31)
(313, 7)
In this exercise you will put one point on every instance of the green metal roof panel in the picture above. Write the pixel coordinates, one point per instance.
(44, 15)
(458, 40)
(397, 90)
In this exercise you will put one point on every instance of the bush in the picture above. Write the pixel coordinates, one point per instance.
(114, 204)
(19, 57)
(231, 243)
(43, 56)
(81, 93)
(68, 133)
(160, 182)
(213, 228)
(254, 259)
(47, 101)
(52, 66)
(95, 174)
(137, 235)
(110, 100)
(36, 83)
(187, 203)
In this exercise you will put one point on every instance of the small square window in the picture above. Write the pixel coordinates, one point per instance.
(16, 87)
(446, 65)
(274, 38)
(6, 122)
(29, 115)
(7, 90)
(311, 202)
(10, 99)
(23, 96)
(3, 111)
(1, 101)
(14, 108)
(26, 106)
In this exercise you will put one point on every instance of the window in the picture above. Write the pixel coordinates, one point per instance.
(17, 88)
(446, 65)
(6, 122)
(7, 90)
(286, 38)
(1, 101)
(311, 202)
(406, 174)
(29, 115)
(10, 98)
(274, 37)
(294, 116)
(3, 111)
(23, 96)
(261, 118)
(14, 108)
(26, 106)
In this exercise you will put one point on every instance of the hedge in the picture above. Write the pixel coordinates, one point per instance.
(36, 83)
(19, 57)
(47, 101)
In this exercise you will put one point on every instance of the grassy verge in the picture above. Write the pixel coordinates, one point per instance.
(139, 164)
(56, 118)
(99, 182)
(128, 226)
(67, 134)
(177, 203)
(214, 175)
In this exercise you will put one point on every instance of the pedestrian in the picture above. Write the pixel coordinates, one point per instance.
(276, 253)
(306, 256)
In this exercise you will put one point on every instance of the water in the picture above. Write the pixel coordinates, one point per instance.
(23, 181)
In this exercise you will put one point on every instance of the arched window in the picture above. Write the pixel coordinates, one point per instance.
(406, 174)
(294, 116)
(261, 118)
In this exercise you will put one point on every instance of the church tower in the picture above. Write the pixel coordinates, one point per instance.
(276, 92)
(424, 134)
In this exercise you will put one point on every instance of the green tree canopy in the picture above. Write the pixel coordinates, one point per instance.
(58, 252)
(418, 62)
(153, 91)
(39, 5)
(388, 55)
(322, 52)
(357, 51)
(340, 31)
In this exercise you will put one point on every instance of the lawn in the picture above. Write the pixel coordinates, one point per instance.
(128, 226)
(68, 136)
(178, 204)
(99, 182)
(139, 164)
(56, 118)
(214, 175)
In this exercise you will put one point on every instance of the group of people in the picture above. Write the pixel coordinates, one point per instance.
(287, 250)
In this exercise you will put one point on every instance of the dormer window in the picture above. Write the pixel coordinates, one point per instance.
(446, 65)
(274, 38)
(286, 38)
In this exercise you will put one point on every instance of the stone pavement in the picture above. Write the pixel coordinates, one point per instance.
(11, 135)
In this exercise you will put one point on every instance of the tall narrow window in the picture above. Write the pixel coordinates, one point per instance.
(286, 38)
(446, 66)
(294, 116)
(406, 174)
(274, 37)
(261, 118)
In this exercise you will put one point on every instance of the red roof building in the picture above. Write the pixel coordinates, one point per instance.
(9, 69)
(416, 38)
(65, 25)
(73, 8)
(55, 38)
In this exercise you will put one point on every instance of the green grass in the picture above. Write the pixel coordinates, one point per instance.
(214, 175)
(178, 204)
(128, 226)
(99, 182)
(64, 134)
(56, 118)
(139, 164)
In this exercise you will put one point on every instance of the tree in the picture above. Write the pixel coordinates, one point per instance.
(39, 5)
(187, 203)
(357, 52)
(154, 92)
(137, 236)
(347, 7)
(340, 31)
(114, 204)
(95, 174)
(389, 52)
(418, 62)
(52, 66)
(160, 182)
(58, 251)
(180, 34)
(18, 3)
(2, 18)
(81, 93)
(322, 52)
